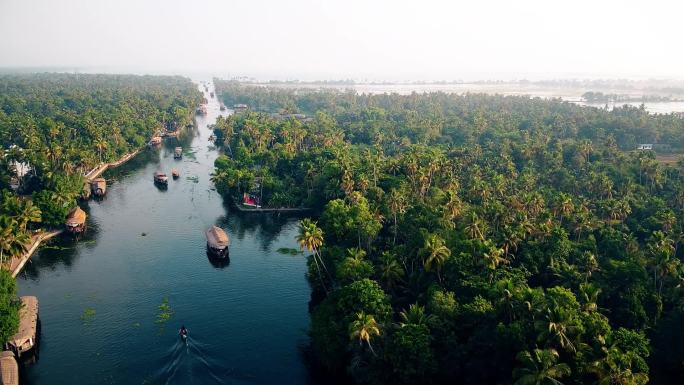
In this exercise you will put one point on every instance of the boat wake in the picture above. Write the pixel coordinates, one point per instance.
(188, 363)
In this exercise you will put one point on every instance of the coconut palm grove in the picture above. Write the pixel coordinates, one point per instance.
(450, 238)
(472, 239)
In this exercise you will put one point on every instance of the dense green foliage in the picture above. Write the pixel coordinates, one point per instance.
(475, 239)
(9, 306)
(56, 127)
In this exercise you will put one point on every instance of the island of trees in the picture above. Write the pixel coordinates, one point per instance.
(56, 127)
(473, 239)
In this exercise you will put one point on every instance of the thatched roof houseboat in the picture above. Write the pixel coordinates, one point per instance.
(155, 140)
(75, 220)
(175, 173)
(25, 338)
(217, 242)
(178, 153)
(160, 177)
(99, 187)
(9, 370)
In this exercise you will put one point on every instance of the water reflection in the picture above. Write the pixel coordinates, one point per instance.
(218, 263)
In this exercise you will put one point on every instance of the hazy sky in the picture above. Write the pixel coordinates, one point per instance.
(392, 40)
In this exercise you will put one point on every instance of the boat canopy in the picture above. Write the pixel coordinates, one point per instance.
(217, 238)
(28, 322)
(76, 217)
(9, 369)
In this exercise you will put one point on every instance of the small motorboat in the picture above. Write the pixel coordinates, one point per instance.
(175, 173)
(178, 153)
(161, 178)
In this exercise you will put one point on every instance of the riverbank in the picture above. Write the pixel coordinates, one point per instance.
(244, 209)
(16, 263)
(97, 171)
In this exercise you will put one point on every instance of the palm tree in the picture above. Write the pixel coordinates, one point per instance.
(540, 368)
(475, 228)
(397, 205)
(391, 270)
(364, 328)
(6, 241)
(28, 213)
(589, 296)
(415, 315)
(616, 368)
(435, 252)
(310, 238)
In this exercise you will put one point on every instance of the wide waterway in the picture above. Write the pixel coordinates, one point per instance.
(100, 297)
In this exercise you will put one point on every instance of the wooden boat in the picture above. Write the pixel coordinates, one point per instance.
(85, 194)
(155, 140)
(175, 174)
(25, 338)
(99, 187)
(75, 221)
(178, 153)
(217, 242)
(161, 178)
(222, 108)
(9, 369)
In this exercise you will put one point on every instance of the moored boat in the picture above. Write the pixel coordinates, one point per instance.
(178, 153)
(161, 178)
(175, 173)
(9, 369)
(217, 242)
(25, 338)
(155, 140)
(99, 187)
(75, 221)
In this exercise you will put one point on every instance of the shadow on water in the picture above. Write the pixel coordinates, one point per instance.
(61, 250)
(188, 362)
(265, 227)
(218, 263)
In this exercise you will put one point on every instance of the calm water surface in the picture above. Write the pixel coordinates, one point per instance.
(100, 297)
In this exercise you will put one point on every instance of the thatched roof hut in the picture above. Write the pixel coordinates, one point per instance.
(217, 238)
(76, 217)
(99, 186)
(25, 338)
(9, 370)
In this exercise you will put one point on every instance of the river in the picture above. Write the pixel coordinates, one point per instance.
(100, 297)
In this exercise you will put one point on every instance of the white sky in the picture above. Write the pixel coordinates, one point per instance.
(372, 39)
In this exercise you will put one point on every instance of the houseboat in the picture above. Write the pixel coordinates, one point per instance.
(99, 187)
(178, 153)
(222, 108)
(217, 242)
(156, 140)
(175, 173)
(75, 221)
(202, 110)
(212, 94)
(9, 369)
(25, 338)
(161, 178)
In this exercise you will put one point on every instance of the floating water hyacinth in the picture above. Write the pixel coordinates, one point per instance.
(88, 315)
(165, 312)
(286, 250)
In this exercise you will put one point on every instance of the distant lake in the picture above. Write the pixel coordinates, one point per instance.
(569, 94)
